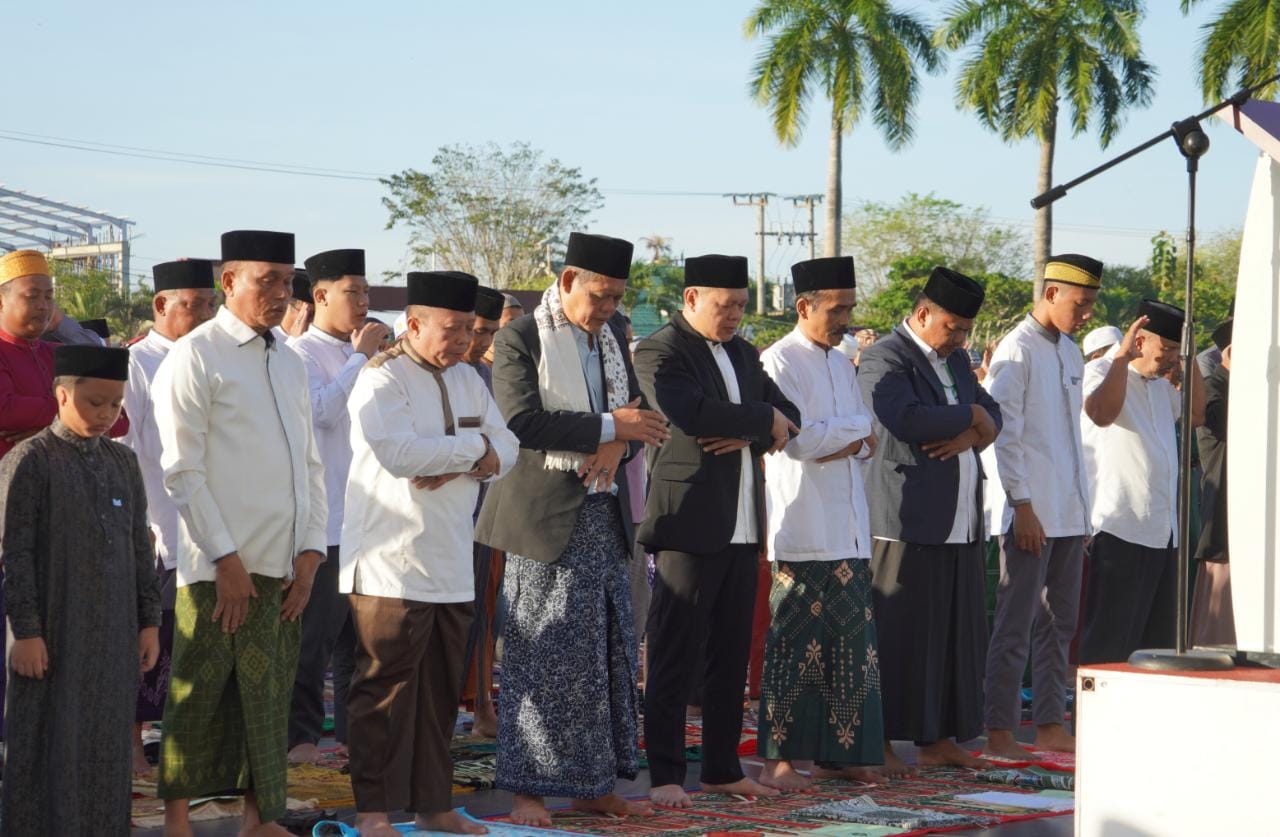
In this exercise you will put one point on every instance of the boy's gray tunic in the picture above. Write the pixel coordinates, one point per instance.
(79, 572)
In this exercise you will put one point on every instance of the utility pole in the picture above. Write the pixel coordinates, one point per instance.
(809, 201)
(759, 200)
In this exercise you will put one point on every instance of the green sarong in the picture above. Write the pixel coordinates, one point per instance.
(226, 719)
(820, 691)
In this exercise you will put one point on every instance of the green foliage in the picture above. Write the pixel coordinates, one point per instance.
(488, 211)
(764, 331)
(946, 232)
(656, 283)
(1008, 300)
(860, 55)
(1238, 48)
(1164, 261)
(1028, 54)
(90, 294)
(539, 282)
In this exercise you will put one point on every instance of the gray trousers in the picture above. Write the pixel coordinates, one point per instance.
(1037, 604)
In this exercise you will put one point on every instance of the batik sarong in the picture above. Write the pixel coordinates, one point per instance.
(820, 693)
(227, 716)
(567, 711)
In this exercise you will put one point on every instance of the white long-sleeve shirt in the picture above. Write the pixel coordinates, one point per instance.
(239, 453)
(1036, 377)
(144, 439)
(1132, 463)
(398, 540)
(817, 511)
(744, 529)
(332, 367)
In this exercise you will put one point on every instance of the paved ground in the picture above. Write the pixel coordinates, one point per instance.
(486, 803)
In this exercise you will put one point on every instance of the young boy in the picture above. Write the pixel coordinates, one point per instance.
(83, 605)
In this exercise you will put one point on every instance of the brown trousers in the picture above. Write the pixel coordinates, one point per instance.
(404, 701)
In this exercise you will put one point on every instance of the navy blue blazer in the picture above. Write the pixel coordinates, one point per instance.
(913, 498)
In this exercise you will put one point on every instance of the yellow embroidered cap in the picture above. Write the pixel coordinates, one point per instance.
(1073, 269)
(22, 263)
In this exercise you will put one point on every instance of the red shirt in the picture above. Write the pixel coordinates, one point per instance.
(26, 388)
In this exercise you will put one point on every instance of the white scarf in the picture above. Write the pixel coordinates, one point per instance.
(561, 382)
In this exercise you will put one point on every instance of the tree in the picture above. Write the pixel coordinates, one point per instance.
(1007, 300)
(659, 247)
(1030, 54)
(860, 54)
(660, 284)
(90, 294)
(489, 211)
(946, 232)
(1239, 48)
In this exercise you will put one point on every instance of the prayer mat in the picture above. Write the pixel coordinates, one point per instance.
(1030, 777)
(1036, 758)
(930, 800)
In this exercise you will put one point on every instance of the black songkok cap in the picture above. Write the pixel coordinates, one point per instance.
(1074, 269)
(955, 292)
(489, 304)
(176, 276)
(1162, 319)
(715, 271)
(98, 327)
(450, 289)
(334, 264)
(599, 254)
(1222, 334)
(257, 246)
(84, 361)
(302, 286)
(823, 274)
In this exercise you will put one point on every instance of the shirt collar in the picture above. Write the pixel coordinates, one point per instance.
(236, 327)
(930, 353)
(79, 442)
(584, 338)
(1051, 336)
(325, 337)
(6, 337)
(159, 339)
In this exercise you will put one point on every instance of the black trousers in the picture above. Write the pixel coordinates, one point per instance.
(323, 621)
(1130, 599)
(709, 596)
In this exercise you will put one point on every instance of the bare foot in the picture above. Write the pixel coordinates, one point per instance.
(781, 775)
(692, 711)
(341, 751)
(141, 767)
(894, 767)
(947, 753)
(1000, 743)
(486, 722)
(853, 773)
(375, 825)
(530, 811)
(611, 803)
(742, 787)
(670, 796)
(1055, 739)
(450, 821)
(305, 753)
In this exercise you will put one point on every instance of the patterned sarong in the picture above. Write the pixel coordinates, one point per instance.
(820, 695)
(226, 720)
(567, 711)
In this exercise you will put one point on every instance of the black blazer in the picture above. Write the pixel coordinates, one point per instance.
(532, 511)
(692, 504)
(913, 498)
(1212, 441)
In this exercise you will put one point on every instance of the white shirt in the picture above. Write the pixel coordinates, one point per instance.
(964, 528)
(239, 453)
(1132, 463)
(144, 439)
(817, 511)
(1036, 379)
(744, 531)
(332, 366)
(397, 540)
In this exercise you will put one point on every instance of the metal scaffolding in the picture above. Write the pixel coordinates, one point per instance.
(84, 237)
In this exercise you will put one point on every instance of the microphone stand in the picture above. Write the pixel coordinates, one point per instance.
(1192, 143)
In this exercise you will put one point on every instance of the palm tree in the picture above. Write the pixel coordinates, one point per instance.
(860, 54)
(1030, 54)
(659, 247)
(1243, 42)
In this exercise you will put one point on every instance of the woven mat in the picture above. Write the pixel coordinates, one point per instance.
(932, 795)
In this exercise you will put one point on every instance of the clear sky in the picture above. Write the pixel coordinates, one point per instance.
(643, 97)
